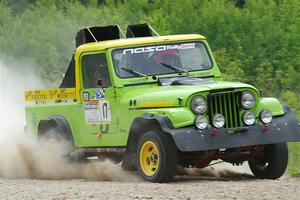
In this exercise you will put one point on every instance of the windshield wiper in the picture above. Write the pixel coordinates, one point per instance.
(175, 68)
(134, 72)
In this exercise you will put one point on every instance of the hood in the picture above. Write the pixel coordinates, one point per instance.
(172, 92)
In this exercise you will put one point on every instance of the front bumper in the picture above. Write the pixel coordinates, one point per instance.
(285, 128)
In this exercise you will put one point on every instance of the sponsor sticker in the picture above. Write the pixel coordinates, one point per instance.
(50, 94)
(92, 116)
(91, 104)
(97, 112)
(105, 111)
(158, 48)
(86, 96)
(149, 104)
(99, 94)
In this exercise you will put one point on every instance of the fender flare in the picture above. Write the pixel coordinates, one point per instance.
(139, 126)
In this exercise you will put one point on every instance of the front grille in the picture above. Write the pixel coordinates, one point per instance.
(227, 104)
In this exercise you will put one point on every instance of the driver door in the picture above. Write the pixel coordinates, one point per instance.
(99, 102)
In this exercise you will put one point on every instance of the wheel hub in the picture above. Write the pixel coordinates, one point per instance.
(149, 158)
(153, 158)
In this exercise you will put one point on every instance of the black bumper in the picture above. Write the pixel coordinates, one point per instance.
(283, 128)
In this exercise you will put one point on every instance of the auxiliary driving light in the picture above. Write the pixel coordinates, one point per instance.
(218, 121)
(266, 116)
(201, 122)
(249, 118)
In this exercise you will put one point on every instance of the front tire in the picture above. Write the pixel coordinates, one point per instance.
(157, 157)
(272, 164)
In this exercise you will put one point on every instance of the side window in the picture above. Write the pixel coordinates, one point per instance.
(95, 71)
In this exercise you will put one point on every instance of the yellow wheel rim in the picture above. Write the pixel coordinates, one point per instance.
(149, 158)
(52, 143)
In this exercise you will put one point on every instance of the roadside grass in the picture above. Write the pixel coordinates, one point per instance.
(294, 159)
(294, 153)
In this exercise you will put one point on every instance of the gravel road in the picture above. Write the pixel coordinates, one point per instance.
(183, 187)
(29, 174)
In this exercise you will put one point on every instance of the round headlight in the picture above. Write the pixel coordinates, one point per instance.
(266, 116)
(249, 118)
(248, 100)
(218, 121)
(201, 122)
(199, 104)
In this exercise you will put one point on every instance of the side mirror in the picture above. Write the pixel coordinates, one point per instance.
(100, 83)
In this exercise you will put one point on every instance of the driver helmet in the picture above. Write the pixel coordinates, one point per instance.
(170, 57)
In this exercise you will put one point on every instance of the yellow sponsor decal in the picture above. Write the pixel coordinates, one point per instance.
(156, 104)
(50, 94)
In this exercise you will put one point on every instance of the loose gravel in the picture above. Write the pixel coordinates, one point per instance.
(183, 187)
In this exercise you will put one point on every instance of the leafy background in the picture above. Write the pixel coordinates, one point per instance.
(256, 42)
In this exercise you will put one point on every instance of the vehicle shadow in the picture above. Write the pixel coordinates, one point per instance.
(211, 174)
(187, 178)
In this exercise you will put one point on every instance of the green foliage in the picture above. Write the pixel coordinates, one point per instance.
(294, 159)
(259, 44)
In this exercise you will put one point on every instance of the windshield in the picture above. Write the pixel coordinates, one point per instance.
(161, 59)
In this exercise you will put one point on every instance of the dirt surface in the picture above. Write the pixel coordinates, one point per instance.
(183, 187)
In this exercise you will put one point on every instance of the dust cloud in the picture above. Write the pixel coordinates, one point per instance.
(27, 159)
(21, 156)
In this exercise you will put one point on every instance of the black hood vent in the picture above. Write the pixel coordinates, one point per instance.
(183, 80)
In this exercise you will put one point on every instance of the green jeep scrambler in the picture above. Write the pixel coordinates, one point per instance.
(155, 102)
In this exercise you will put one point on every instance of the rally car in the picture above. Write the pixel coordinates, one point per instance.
(155, 102)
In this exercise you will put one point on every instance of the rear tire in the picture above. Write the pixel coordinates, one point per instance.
(273, 163)
(157, 157)
(58, 136)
